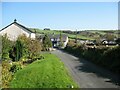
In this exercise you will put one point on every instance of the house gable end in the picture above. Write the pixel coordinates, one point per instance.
(21, 26)
(15, 29)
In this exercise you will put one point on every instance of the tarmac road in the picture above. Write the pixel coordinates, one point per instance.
(87, 74)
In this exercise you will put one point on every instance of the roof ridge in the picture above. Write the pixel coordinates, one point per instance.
(18, 25)
(22, 26)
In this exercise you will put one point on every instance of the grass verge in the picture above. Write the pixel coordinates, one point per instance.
(46, 73)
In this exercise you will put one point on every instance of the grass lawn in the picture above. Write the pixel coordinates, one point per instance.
(46, 73)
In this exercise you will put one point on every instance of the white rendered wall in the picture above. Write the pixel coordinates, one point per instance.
(65, 43)
(32, 35)
(14, 31)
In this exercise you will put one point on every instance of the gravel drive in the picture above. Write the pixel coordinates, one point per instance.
(87, 74)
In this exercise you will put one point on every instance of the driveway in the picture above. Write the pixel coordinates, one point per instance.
(87, 74)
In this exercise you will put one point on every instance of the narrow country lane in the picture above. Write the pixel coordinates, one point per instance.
(86, 74)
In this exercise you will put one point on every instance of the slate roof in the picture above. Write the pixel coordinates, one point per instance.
(19, 26)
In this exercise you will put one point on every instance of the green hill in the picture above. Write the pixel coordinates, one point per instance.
(87, 34)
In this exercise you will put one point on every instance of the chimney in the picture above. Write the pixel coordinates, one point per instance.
(15, 20)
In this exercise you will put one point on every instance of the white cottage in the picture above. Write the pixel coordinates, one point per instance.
(15, 29)
(55, 39)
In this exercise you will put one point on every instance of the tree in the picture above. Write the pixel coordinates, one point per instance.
(34, 48)
(61, 42)
(97, 41)
(47, 42)
(118, 41)
(6, 46)
(76, 37)
(31, 47)
(16, 51)
(19, 50)
(109, 37)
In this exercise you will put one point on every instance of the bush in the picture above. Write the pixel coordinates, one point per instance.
(46, 43)
(31, 47)
(111, 59)
(106, 57)
(34, 48)
(16, 51)
(6, 75)
(6, 46)
(19, 50)
(15, 67)
(23, 49)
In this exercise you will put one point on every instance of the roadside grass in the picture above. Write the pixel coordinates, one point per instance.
(46, 73)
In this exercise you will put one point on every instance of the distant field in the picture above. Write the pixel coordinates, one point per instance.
(80, 35)
(95, 31)
(102, 32)
(72, 36)
(46, 73)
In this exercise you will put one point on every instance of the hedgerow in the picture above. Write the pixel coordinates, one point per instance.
(105, 57)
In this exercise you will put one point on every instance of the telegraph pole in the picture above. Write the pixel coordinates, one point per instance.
(60, 39)
(76, 37)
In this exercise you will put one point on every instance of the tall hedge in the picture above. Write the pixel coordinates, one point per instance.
(105, 57)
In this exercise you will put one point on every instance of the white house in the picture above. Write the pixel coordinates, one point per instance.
(55, 39)
(15, 29)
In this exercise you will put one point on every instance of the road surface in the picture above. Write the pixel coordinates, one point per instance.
(87, 74)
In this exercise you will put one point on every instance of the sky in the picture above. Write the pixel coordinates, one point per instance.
(62, 15)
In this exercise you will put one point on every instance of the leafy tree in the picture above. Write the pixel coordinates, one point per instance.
(118, 41)
(6, 46)
(97, 41)
(12, 53)
(25, 43)
(19, 50)
(109, 37)
(34, 48)
(23, 47)
(16, 51)
(31, 47)
(61, 42)
(47, 42)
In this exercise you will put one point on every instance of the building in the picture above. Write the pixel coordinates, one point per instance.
(55, 39)
(15, 29)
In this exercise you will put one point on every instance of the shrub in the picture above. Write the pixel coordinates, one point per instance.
(16, 51)
(34, 48)
(47, 42)
(15, 67)
(31, 47)
(6, 46)
(19, 50)
(6, 75)
(111, 59)
(106, 57)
